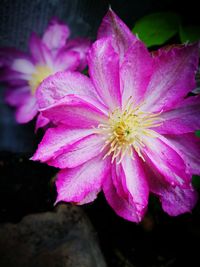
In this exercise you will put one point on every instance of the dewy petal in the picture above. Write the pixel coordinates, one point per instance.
(136, 183)
(74, 185)
(56, 34)
(23, 66)
(78, 152)
(175, 200)
(61, 84)
(166, 160)
(103, 65)
(27, 111)
(184, 118)
(56, 140)
(39, 51)
(81, 46)
(120, 205)
(75, 112)
(67, 60)
(135, 73)
(188, 145)
(113, 26)
(17, 96)
(173, 77)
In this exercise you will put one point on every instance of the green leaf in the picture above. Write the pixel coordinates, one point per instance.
(157, 28)
(196, 181)
(189, 33)
(197, 133)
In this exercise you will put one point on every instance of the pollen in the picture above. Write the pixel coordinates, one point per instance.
(41, 72)
(126, 131)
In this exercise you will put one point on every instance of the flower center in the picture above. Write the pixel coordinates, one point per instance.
(125, 131)
(41, 72)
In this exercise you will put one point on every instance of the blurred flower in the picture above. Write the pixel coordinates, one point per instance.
(128, 129)
(24, 72)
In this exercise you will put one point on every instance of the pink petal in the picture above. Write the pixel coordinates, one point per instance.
(188, 146)
(89, 197)
(81, 46)
(113, 26)
(13, 78)
(120, 205)
(183, 119)
(78, 152)
(165, 160)
(39, 51)
(27, 111)
(8, 54)
(17, 96)
(176, 201)
(23, 66)
(136, 72)
(41, 122)
(74, 185)
(61, 84)
(173, 77)
(56, 34)
(74, 112)
(56, 140)
(103, 65)
(136, 183)
(66, 60)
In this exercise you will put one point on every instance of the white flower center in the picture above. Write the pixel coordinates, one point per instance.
(125, 131)
(41, 72)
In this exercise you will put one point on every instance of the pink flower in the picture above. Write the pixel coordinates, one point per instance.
(24, 72)
(127, 130)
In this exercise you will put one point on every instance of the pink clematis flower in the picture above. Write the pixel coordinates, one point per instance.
(24, 72)
(127, 130)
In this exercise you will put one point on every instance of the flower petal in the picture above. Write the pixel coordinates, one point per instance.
(183, 119)
(61, 84)
(188, 146)
(41, 122)
(136, 183)
(165, 160)
(73, 112)
(39, 51)
(175, 199)
(55, 140)
(113, 26)
(17, 96)
(56, 34)
(27, 111)
(66, 60)
(135, 73)
(120, 205)
(81, 46)
(74, 185)
(23, 66)
(8, 54)
(78, 152)
(103, 65)
(173, 77)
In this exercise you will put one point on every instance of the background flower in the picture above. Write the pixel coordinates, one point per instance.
(23, 72)
(126, 128)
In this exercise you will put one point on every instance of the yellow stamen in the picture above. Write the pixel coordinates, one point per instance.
(41, 72)
(125, 131)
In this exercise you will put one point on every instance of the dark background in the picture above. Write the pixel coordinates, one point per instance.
(27, 187)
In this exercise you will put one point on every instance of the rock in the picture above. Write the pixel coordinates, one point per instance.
(63, 238)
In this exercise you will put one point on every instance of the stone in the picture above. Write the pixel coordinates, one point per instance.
(62, 238)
